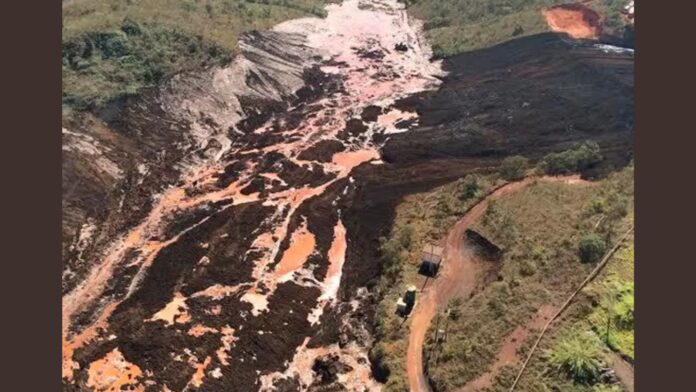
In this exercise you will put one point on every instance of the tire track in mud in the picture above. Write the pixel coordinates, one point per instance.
(458, 278)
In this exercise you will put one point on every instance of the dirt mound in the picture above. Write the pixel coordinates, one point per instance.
(576, 20)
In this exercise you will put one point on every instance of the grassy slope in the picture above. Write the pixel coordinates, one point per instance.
(420, 219)
(456, 26)
(588, 315)
(105, 57)
(539, 227)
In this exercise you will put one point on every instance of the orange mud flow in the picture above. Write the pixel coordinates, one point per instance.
(366, 81)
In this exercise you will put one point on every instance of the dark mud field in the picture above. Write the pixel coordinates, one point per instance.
(529, 97)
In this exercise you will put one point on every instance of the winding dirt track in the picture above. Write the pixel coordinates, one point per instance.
(456, 279)
(624, 372)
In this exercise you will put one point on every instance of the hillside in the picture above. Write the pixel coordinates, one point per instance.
(464, 25)
(540, 229)
(112, 49)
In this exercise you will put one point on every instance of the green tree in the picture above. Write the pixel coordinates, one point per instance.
(580, 158)
(513, 167)
(468, 188)
(591, 248)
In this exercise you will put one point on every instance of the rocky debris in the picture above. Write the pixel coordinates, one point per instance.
(401, 47)
(354, 128)
(370, 113)
(328, 368)
(191, 120)
(322, 151)
(268, 71)
(230, 174)
(372, 54)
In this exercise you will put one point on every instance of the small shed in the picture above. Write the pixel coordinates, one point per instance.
(410, 296)
(401, 307)
(431, 260)
(405, 304)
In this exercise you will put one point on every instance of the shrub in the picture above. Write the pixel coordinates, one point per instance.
(380, 367)
(578, 159)
(391, 256)
(598, 205)
(99, 67)
(130, 27)
(591, 248)
(455, 308)
(499, 298)
(442, 208)
(513, 167)
(527, 268)
(619, 207)
(468, 188)
(624, 305)
(538, 252)
(579, 355)
(405, 237)
(391, 250)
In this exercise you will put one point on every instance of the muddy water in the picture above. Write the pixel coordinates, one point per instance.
(356, 42)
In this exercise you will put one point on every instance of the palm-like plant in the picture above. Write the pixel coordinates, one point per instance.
(579, 354)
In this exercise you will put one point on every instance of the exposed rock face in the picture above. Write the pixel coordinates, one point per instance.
(221, 233)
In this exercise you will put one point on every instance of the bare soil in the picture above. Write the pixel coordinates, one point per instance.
(623, 371)
(509, 351)
(576, 20)
(458, 278)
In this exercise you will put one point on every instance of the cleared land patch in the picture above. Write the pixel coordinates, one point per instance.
(540, 229)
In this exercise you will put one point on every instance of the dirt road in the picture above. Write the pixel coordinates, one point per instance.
(456, 279)
(508, 353)
(624, 371)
